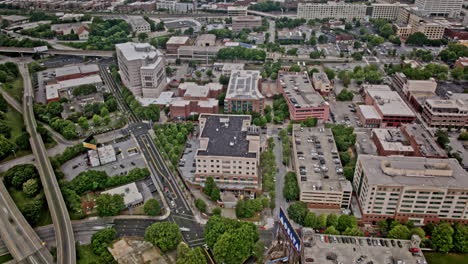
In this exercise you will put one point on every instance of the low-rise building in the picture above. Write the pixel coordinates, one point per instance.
(130, 193)
(227, 68)
(101, 156)
(462, 62)
(318, 169)
(236, 11)
(206, 40)
(423, 190)
(244, 93)
(229, 152)
(193, 91)
(64, 89)
(142, 68)
(75, 72)
(198, 53)
(321, 83)
(173, 44)
(176, 7)
(303, 101)
(83, 32)
(391, 109)
(245, 22)
(368, 116)
(139, 24)
(15, 19)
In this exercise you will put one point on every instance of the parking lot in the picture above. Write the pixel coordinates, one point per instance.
(347, 249)
(344, 113)
(129, 157)
(187, 164)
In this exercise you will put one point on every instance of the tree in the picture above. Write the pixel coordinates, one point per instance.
(463, 136)
(109, 205)
(330, 73)
(97, 120)
(83, 122)
(310, 220)
(417, 39)
(345, 95)
(209, 73)
(31, 187)
(323, 39)
(201, 205)
(322, 220)
(19, 174)
(32, 211)
(331, 230)
(357, 44)
(346, 221)
(100, 241)
(152, 207)
(165, 235)
(297, 212)
(419, 232)
(460, 238)
(234, 247)
(357, 56)
(332, 220)
(352, 231)
(441, 239)
(295, 68)
(211, 189)
(399, 232)
(291, 187)
(186, 255)
(216, 211)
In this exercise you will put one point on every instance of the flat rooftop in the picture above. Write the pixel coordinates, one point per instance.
(456, 100)
(321, 76)
(426, 143)
(246, 19)
(243, 85)
(351, 252)
(226, 135)
(138, 51)
(298, 88)
(389, 102)
(369, 112)
(392, 139)
(413, 171)
(313, 145)
(177, 40)
(180, 24)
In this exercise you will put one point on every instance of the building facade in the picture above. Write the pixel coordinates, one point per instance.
(321, 83)
(331, 10)
(245, 22)
(139, 25)
(451, 112)
(451, 8)
(244, 92)
(142, 68)
(411, 188)
(229, 152)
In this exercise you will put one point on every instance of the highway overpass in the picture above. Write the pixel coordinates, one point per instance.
(93, 53)
(66, 253)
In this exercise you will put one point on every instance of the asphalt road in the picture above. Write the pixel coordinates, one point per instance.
(21, 240)
(66, 253)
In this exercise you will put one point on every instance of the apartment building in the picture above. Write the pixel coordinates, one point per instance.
(388, 105)
(229, 152)
(451, 112)
(410, 21)
(407, 140)
(423, 190)
(139, 25)
(321, 83)
(331, 10)
(233, 11)
(451, 8)
(318, 169)
(176, 7)
(244, 92)
(142, 68)
(245, 22)
(303, 101)
(386, 11)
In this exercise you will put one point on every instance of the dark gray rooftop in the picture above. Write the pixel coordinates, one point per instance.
(226, 137)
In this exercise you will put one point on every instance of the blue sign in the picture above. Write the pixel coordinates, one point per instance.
(292, 235)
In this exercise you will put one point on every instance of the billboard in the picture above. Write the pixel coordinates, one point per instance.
(291, 233)
(89, 145)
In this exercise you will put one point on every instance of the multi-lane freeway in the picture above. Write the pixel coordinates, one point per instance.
(92, 53)
(21, 240)
(66, 253)
(181, 212)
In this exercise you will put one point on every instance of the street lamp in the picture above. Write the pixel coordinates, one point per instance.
(14, 153)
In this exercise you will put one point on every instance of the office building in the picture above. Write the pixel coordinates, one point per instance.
(423, 190)
(234, 11)
(139, 24)
(446, 112)
(173, 44)
(229, 152)
(64, 89)
(198, 53)
(331, 10)
(245, 22)
(303, 101)
(318, 169)
(321, 83)
(75, 72)
(386, 11)
(142, 68)
(130, 193)
(388, 105)
(244, 92)
(407, 140)
(451, 8)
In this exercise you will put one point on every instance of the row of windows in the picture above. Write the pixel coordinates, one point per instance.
(227, 172)
(226, 161)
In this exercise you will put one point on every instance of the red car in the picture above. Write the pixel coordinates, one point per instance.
(413, 250)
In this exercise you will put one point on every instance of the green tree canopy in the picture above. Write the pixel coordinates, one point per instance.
(165, 235)
(152, 207)
(109, 205)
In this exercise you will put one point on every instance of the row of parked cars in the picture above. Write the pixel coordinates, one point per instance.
(361, 241)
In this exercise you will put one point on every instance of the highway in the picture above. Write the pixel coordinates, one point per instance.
(181, 212)
(21, 240)
(96, 53)
(66, 253)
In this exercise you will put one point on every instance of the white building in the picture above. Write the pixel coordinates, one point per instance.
(331, 10)
(129, 192)
(237, 11)
(386, 11)
(139, 24)
(451, 8)
(176, 7)
(141, 68)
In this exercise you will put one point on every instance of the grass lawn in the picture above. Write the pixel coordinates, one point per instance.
(5, 258)
(16, 89)
(14, 120)
(20, 199)
(440, 258)
(85, 255)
